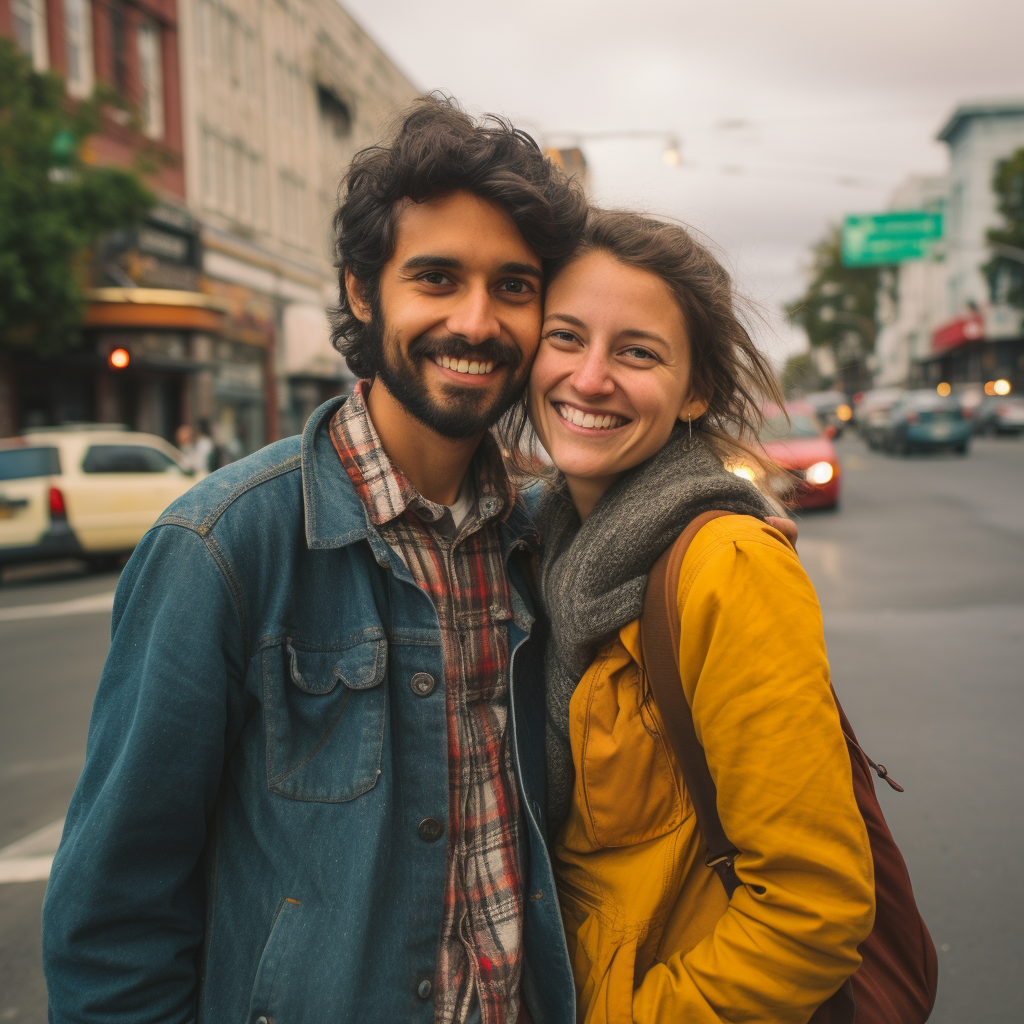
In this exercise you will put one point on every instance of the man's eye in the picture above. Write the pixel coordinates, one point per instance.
(435, 277)
(515, 287)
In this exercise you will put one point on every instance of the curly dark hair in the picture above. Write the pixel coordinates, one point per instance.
(435, 151)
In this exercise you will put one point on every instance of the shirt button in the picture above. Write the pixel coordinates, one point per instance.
(261, 1020)
(422, 684)
(430, 829)
(424, 988)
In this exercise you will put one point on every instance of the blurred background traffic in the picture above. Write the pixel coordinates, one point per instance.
(168, 172)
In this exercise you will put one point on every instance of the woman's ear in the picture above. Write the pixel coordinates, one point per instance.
(693, 409)
(357, 297)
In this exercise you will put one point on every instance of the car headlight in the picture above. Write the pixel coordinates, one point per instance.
(819, 473)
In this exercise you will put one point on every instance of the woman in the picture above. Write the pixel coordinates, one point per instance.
(643, 380)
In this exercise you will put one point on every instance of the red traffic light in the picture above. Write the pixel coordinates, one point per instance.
(119, 359)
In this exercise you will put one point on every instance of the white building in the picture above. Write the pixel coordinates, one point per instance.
(978, 135)
(277, 97)
(911, 298)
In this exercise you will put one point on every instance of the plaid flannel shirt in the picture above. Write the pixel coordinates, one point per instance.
(463, 573)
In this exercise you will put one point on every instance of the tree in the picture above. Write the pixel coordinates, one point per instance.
(838, 310)
(1006, 269)
(52, 205)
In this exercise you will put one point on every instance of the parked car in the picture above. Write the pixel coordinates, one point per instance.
(926, 421)
(84, 492)
(996, 415)
(803, 447)
(832, 408)
(871, 414)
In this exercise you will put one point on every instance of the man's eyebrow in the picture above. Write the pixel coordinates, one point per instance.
(428, 260)
(527, 269)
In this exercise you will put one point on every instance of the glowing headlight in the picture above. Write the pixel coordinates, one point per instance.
(819, 473)
(744, 471)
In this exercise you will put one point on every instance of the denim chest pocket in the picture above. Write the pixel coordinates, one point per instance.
(324, 711)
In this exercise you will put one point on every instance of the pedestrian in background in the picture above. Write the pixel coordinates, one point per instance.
(643, 382)
(314, 783)
(196, 447)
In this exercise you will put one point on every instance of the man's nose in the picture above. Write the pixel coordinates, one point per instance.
(592, 376)
(474, 317)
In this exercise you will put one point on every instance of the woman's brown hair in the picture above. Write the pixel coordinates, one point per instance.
(727, 370)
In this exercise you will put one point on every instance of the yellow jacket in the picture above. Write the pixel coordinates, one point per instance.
(652, 936)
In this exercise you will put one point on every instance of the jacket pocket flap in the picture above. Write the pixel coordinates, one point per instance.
(360, 667)
(363, 666)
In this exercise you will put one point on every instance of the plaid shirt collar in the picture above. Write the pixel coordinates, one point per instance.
(385, 490)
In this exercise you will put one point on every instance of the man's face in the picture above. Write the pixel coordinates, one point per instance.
(459, 315)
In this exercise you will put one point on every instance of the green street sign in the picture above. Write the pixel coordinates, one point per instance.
(875, 239)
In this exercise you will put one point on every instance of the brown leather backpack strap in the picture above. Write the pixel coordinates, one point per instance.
(659, 638)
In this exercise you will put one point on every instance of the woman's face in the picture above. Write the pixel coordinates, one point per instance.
(612, 373)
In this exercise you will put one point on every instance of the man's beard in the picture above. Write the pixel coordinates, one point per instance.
(467, 411)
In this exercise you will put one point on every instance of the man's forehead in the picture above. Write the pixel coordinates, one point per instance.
(461, 229)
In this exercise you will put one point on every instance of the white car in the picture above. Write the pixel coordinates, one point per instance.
(84, 492)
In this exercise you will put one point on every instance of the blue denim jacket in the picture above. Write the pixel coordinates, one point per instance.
(244, 841)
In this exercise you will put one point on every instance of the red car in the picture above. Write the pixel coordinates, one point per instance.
(804, 448)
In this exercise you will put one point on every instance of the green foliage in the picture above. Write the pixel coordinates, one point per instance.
(52, 205)
(1007, 275)
(838, 310)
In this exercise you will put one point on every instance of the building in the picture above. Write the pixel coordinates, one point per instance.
(912, 295)
(278, 96)
(218, 300)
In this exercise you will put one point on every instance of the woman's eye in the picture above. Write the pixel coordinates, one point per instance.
(565, 337)
(640, 353)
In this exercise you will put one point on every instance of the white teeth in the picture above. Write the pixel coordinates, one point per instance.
(474, 367)
(588, 420)
(463, 365)
(488, 368)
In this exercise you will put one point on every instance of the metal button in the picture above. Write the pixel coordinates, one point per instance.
(430, 829)
(424, 989)
(422, 684)
(261, 1020)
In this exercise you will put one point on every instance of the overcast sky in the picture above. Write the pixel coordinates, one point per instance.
(791, 113)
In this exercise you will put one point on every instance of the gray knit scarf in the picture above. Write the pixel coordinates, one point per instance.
(593, 576)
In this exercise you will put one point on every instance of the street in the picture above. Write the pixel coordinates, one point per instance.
(921, 577)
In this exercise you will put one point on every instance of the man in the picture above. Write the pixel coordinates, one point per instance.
(314, 783)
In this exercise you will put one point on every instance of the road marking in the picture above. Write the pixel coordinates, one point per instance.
(78, 606)
(30, 859)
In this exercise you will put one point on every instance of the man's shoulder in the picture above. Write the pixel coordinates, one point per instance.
(272, 474)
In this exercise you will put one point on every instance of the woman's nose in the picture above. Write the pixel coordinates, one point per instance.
(592, 376)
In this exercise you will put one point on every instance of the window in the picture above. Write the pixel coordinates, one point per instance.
(204, 32)
(125, 458)
(293, 209)
(118, 46)
(251, 63)
(23, 463)
(30, 30)
(151, 79)
(78, 46)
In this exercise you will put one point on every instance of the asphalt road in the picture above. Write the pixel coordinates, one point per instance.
(921, 576)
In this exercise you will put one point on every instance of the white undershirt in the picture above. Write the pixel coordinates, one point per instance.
(463, 503)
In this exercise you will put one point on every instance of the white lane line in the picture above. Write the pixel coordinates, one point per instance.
(78, 606)
(30, 859)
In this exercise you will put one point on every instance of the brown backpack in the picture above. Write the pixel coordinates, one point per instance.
(898, 975)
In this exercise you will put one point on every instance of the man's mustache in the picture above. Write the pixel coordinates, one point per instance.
(493, 350)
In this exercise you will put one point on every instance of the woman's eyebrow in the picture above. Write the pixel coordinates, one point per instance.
(648, 335)
(565, 318)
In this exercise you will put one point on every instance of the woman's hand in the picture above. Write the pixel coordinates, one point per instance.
(785, 526)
